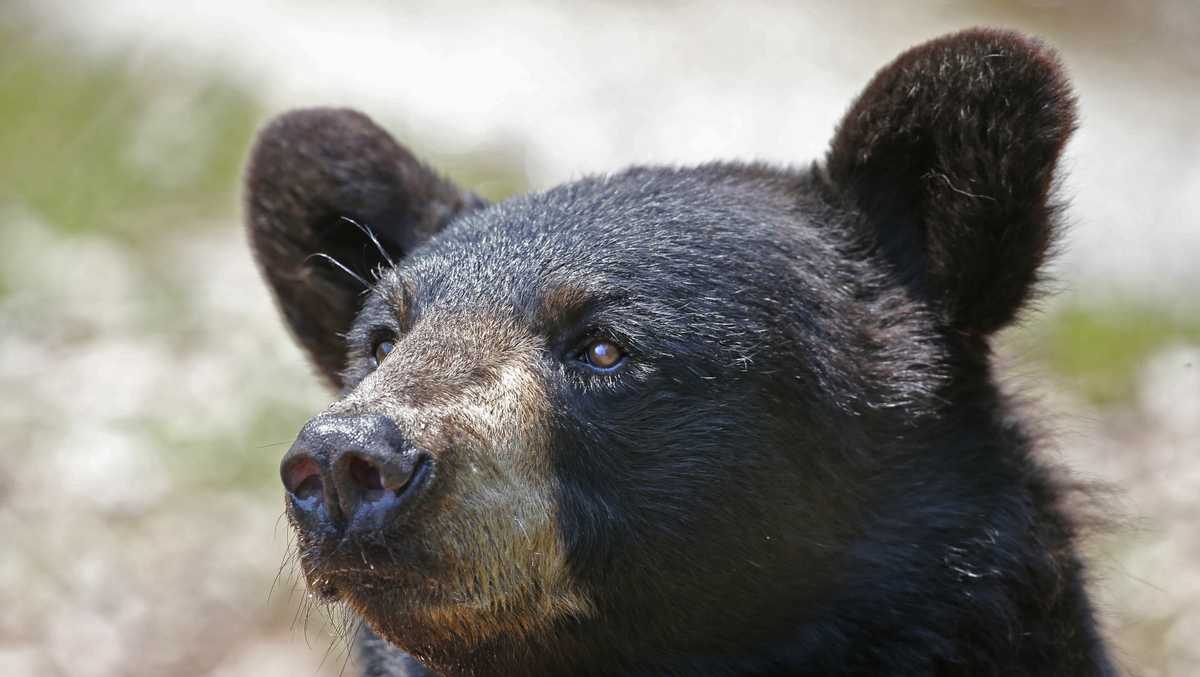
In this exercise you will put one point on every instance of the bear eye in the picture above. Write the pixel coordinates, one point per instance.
(603, 355)
(382, 349)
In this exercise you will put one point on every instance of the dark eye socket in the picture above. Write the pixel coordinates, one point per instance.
(381, 351)
(602, 355)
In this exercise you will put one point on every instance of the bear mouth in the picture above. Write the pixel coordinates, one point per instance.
(366, 553)
(329, 583)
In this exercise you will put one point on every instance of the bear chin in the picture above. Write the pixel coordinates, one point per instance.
(432, 627)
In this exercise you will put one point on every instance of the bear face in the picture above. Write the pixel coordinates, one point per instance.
(728, 419)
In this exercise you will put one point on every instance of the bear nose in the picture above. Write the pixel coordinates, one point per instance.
(358, 470)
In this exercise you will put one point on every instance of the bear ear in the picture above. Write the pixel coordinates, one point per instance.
(949, 156)
(313, 175)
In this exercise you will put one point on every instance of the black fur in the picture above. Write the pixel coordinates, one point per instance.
(949, 154)
(313, 175)
(805, 467)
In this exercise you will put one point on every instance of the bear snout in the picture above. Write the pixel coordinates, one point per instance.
(352, 474)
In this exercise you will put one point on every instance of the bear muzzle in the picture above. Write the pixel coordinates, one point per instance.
(353, 475)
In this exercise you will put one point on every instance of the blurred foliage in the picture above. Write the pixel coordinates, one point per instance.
(242, 460)
(1098, 351)
(492, 172)
(122, 144)
(115, 144)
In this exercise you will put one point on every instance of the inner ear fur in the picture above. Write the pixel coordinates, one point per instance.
(948, 156)
(309, 171)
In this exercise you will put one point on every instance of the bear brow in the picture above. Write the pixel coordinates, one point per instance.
(570, 303)
(397, 292)
(571, 300)
(563, 301)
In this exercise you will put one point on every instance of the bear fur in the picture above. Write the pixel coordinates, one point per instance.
(802, 463)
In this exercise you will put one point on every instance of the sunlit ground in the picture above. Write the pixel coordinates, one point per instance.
(148, 388)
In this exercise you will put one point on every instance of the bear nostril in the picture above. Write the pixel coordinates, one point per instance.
(365, 474)
(370, 479)
(302, 479)
(350, 473)
(310, 487)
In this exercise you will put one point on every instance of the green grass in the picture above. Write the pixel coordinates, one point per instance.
(243, 460)
(1099, 351)
(126, 145)
(116, 144)
(493, 172)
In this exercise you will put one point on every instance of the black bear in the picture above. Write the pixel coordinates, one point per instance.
(730, 419)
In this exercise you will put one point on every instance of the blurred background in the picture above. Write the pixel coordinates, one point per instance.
(148, 390)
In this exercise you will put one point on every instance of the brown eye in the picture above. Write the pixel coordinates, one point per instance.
(381, 351)
(603, 354)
